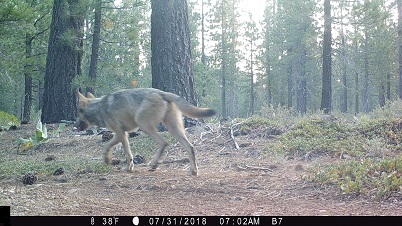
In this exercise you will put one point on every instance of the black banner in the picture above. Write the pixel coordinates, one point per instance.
(202, 221)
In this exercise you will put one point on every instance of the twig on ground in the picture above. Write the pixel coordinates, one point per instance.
(183, 160)
(247, 167)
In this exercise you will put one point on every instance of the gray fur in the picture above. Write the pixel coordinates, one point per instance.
(129, 109)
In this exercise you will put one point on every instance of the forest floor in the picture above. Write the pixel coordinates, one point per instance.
(245, 181)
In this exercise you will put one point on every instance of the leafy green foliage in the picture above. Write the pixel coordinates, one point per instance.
(320, 136)
(368, 173)
(22, 22)
(262, 125)
(40, 137)
(390, 130)
(7, 120)
(60, 128)
(378, 178)
(335, 137)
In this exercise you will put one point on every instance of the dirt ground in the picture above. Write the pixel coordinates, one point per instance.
(244, 181)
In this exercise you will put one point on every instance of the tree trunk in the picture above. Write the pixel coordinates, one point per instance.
(388, 89)
(203, 56)
(63, 61)
(356, 46)
(381, 94)
(95, 47)
(302, 84)
(357, 110)
(344, 101)
(290, 85)
(267, 56)
(366, 76)
(26, 116)
(326, 97)
(170, 46)
(251, 79)
(224, 61)
(268, 67)
(399, 3)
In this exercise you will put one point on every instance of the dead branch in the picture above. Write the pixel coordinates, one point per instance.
(183, 161)
(233, 138)
(247, 167)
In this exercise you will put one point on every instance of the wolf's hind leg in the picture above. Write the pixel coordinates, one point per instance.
(174, 124)
(150, 129)
(129, 156)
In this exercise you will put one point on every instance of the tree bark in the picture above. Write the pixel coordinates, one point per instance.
(251, 79)
(302, 83)
(366, 76)
(344, 101)
(63, 61)
(357, 109)
(95, 47)
(356, 46)
(170, 46)
(399, 3)
(381, 94)
(326, 97)
(203, 56)
(290, 82)
(26, 116)
(267, 64)
(388, 88)
(224, 63)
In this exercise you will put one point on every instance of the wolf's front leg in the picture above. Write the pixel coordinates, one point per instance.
(107, 154)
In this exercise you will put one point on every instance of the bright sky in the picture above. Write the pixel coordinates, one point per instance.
(256, 7)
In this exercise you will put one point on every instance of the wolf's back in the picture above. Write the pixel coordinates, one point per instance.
(187, 108)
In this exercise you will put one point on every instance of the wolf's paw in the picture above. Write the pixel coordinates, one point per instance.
(153, 164)
(153, 167)
(130, 168)
(107, 159)
(192, 173)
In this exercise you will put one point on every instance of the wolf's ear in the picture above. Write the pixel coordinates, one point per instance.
(82, 99)
(90, 95)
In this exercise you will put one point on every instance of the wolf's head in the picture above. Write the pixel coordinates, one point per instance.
(84, 116)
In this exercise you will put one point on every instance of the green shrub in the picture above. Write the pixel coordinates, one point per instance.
(261, 125)
(378, 177)
(320, 136)
(40, 137)
(388, 129)
(7, 120)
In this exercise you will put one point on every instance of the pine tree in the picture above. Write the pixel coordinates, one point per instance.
(326, 97)
(63, 61)
(171, 52)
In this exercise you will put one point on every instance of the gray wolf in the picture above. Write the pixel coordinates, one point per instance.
(142, 108)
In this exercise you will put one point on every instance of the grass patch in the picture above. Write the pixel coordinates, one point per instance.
(11, 168)
(376, 178)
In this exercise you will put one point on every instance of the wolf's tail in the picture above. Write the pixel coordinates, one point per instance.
(187, 108)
